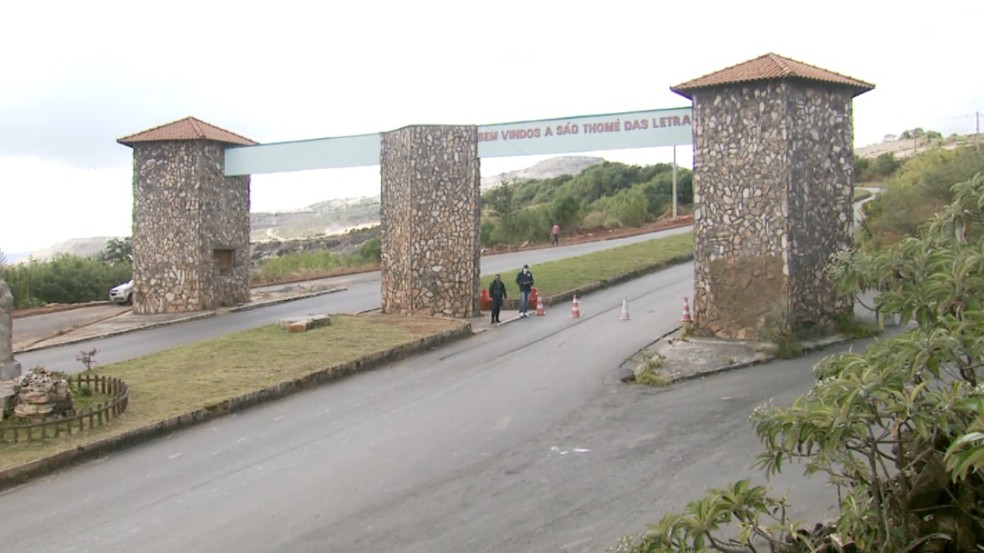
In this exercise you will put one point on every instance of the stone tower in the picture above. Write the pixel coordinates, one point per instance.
(190, 221)
(773, 191)
(430, 217)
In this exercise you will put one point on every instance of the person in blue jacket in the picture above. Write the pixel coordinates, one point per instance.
(525, 281)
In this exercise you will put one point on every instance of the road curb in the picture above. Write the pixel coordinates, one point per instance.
(806, 347)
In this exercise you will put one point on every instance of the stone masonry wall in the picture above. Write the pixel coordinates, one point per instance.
(183, 208)
(821, 197)
(430, 218)
(769, 189)
(227, 228)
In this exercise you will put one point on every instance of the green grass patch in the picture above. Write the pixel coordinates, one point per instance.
(184, 379)
(851, 327)
(310, 265)
(651, 373)
(573, 273)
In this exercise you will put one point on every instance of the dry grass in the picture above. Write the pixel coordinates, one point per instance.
(181, 380)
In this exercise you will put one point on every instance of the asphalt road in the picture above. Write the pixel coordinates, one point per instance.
(520, 439)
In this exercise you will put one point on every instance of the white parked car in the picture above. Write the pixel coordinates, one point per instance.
(122, 294)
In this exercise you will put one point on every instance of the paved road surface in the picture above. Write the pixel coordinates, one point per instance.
(518, 439)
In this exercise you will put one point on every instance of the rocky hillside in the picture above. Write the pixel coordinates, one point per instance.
(83, 247)
(326, 218)
(905, 148)
(546, 169)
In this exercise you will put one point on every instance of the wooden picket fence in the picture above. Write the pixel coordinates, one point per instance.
(93, 417)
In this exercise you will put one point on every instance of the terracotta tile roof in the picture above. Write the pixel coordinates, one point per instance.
(769, 67)
(188, 128)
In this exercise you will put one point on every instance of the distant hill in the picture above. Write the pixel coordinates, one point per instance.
(903, 148)
(83, 247)
(321, 219)
(546, 169)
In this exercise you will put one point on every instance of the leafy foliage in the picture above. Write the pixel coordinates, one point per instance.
(64, 279)
(899, 429)
(883, 167)
(611, 195)
(118, 250)
(371, 250)
(921, 188)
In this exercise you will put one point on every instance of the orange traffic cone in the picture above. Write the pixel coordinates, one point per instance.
(575, 308)
(540, 311)
(625, 310)
(686, 312)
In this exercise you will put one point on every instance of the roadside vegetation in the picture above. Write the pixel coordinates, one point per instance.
(574, 273)
(68, 278)
(898, 429)
(606, 196)
(917, 189)
(309, 265)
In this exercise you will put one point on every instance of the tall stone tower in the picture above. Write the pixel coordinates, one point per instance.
(190, 221)
(429, 212)
(773, 191)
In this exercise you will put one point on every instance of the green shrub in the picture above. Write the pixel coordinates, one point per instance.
(311, 264)
(898, 429)
(371, 250)
(652, 372)
(629, 208)
(64, 279)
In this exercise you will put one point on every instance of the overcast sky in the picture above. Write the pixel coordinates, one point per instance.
(78, 75)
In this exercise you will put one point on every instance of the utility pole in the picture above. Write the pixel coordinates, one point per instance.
(674, 183)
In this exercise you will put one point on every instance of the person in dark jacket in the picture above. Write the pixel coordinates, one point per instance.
(525, 281)
(497, 291)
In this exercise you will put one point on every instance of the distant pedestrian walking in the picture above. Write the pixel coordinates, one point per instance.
(555, 233)
(497, 291)
(525, 281)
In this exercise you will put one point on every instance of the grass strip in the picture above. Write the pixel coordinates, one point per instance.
(575, 273)
(178, 381)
